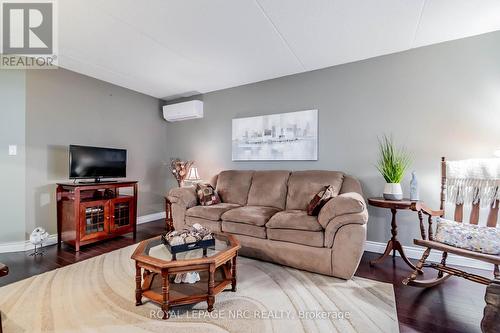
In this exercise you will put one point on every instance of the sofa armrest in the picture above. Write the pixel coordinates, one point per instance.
(181, 199)
(343, 204)
(340, 221)
(183, 196)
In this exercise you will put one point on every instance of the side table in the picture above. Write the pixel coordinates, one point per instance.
(393, 244)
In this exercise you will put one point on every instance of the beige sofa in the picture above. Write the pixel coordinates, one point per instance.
(267, 212)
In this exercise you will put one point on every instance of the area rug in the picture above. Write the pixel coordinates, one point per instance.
(97, 295)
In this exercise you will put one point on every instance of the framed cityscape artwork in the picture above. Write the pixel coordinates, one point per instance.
(278, 137)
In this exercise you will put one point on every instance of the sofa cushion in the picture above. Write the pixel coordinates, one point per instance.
(243, 229)
(309, 238)
(233, 186)
(212, 212)
(269, 188)
(214, 226)
(303, 186)
(295, 220)
(256, 215)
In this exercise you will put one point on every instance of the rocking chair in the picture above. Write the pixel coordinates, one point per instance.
(473, 196)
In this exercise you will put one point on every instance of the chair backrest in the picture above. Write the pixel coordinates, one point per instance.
(479, 192)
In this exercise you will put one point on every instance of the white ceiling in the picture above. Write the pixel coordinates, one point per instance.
(174, 48)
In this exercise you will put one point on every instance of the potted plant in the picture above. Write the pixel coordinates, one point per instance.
(392, 164)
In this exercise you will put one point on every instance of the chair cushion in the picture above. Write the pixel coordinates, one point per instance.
(244, 229)
(468, 236)
(212, 212)
(269, 188)
(309, 238)
(491, 258)
(256, 215)
(233, 186)
(303, 186)
(295, 220)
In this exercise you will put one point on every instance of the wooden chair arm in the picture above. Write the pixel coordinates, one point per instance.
(431, 212)
(420, 206)
(4, 270)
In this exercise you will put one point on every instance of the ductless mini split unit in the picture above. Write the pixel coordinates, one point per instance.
(183, 111)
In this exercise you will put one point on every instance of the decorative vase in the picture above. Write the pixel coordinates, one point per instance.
(414, 195)
(393, 191)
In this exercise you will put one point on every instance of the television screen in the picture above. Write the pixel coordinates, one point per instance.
(95, 162)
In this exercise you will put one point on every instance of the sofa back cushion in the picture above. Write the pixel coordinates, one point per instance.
(233, 186)
(269, 188)
(304, 185)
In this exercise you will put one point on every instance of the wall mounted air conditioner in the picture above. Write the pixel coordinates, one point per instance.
(183, 111)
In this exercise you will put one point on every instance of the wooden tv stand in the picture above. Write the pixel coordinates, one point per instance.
(91, 212)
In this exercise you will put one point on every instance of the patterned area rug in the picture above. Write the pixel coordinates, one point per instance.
(97, 295)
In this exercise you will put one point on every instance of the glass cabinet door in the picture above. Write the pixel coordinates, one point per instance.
(122, 213)
(94, 217)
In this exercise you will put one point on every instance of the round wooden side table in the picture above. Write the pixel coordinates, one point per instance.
(393, 244)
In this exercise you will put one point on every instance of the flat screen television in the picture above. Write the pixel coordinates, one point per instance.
(95, 162)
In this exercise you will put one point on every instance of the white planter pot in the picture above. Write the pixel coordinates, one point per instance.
(393, 191)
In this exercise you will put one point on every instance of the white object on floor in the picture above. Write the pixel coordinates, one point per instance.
(191, 277)
(37, 237)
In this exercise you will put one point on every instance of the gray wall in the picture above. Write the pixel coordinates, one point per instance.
(12, 168)
(441, 100)
(62, 108)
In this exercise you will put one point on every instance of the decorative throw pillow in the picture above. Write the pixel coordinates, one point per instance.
(468, 236)
(207, 195)
(320, 200)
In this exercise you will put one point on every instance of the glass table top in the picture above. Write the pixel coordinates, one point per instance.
(156, 249)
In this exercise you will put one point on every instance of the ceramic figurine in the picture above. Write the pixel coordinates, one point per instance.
(37, 237)
(414, 187)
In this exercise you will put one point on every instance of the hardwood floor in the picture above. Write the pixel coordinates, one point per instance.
(455, 306)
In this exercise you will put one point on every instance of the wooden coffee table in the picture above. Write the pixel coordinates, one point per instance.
(155, 270)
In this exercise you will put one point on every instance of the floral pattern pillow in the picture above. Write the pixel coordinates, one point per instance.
(468, 236)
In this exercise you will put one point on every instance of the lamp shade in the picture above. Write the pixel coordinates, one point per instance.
(193, 174)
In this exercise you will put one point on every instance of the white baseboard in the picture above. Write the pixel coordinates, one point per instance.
(22, 246)
(25, 245)
(414, 252)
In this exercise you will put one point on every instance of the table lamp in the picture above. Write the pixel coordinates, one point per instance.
(193, 177)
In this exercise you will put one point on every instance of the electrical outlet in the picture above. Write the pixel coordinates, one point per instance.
(12, 150)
